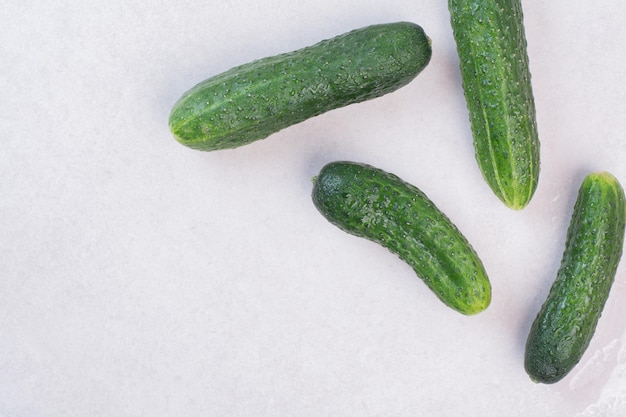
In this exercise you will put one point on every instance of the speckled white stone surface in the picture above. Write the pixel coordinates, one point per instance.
(139, 277)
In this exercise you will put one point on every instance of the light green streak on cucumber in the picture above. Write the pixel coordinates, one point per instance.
(492, 49)
(566, 323)
(257, 99)
(371, 203)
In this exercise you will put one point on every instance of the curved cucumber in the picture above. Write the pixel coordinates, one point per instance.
(567, 320)
(376, 205)
(252, 101)
(491, 45)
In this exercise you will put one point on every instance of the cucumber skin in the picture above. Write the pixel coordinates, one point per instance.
(567, 320)
(492, 49)
(252, 101)
(368, 202)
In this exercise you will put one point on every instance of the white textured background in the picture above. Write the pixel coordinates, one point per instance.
(139, 277)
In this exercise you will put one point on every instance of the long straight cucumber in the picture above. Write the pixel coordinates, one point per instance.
(567, 320)
(254, 100)
(371, 203)
(491, 45)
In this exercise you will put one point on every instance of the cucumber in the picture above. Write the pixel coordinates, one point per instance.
(491, 45)
(254, 100)
(368, 202)
(564, 326)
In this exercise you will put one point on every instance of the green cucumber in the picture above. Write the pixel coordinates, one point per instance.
(564, 326)
(254, 100)
(491, 45)
(371, 203)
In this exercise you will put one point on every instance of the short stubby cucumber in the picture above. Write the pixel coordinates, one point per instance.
(368, 202)
(567, 320)
(254, 100)
(492, 49)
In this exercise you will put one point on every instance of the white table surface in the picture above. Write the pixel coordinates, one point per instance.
(139, 277)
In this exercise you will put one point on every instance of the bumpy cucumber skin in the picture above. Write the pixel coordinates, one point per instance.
(567, 320)
(371, 203)
(492, 49)
(252, 101)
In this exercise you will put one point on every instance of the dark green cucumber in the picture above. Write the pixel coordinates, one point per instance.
(252, 101)
(371, 203)
(567, 320)
(491, 45)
